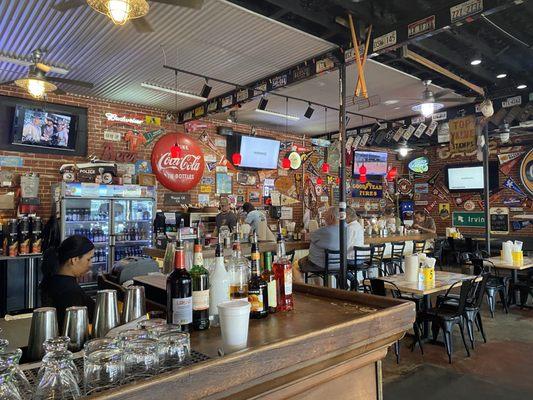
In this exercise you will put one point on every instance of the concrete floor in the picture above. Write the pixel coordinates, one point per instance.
(502, 368)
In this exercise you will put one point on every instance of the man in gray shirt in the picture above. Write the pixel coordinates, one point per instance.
(225, 217)
(324, 238)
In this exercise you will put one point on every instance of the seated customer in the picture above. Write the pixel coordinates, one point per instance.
(388, 219)
(324, 238)
(424, 223)
(355, 234)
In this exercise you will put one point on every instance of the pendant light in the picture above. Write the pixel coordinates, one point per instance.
(362, 173)
(285, 163)
(120, 11)
(319, 181)
(236, 159)
(391, 175)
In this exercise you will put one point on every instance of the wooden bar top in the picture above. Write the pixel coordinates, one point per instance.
(330, 343)
(398, 238)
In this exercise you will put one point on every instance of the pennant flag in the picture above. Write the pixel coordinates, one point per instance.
(433, 179)
(287, 201)
(509, 165)
(512, 201)
(518, 225)
(508, 157)
(305, 156)
(512, 185)
(312, 170)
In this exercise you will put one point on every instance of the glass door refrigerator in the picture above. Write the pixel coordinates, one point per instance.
(116, 218)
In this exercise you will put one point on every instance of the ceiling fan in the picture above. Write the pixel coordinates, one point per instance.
(121, 11)
(35, 81)
(504, 131)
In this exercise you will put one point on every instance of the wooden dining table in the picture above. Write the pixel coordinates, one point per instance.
(442, 282)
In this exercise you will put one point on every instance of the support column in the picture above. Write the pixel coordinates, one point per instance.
(342, 175)
(486, 185)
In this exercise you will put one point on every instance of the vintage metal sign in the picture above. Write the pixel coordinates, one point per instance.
(463, 134)
(468, 219)
(421, 26)
(526, 172)
(512, 101)
(368, 190)
(465, 10)
(419, 165)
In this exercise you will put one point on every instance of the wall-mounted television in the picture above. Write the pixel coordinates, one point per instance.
(470, 177)
(37, 127)
(375, 163)
(256, 152)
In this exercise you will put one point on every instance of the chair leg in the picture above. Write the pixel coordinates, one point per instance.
(397, 351)
(480, 326)
(418, 340)
(461, 326)
(490, 302)
(448, 342)
(325, 280)
(435, 328)
(470, 317)
(503, 298)
(306, 277)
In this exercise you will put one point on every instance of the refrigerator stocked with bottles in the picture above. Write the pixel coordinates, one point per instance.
(116, 218)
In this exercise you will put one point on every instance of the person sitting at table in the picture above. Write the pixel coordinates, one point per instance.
(61, 267)
(355, 233)
(388, 219)
(424, 223)
(225, 217)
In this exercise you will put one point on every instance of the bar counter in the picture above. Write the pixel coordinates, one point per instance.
(329, 346)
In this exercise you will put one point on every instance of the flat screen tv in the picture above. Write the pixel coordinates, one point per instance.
(469, 177)
(256, 152)
(375, 163)
(42, 127)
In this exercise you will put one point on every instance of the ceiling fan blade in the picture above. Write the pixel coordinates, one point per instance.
(142, 25)
(70, 82)
(195, 4)
(69, 5)
(16, 61)
(50, 68)
(442, 93)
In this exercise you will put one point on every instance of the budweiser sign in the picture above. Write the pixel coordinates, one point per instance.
(181, 173)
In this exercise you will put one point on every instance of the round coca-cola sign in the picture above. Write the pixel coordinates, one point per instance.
(180, 173)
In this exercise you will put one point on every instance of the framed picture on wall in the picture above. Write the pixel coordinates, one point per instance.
(224, 183)
(254, 197)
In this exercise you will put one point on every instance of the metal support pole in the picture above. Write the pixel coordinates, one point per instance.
(486, 185)
(342, 174)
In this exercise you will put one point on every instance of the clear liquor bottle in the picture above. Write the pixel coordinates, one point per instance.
(283, 273)
(238, 269)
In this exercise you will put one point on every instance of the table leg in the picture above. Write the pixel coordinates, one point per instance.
(426, 304)
(513, 296)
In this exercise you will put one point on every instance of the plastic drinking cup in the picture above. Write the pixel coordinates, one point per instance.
(234, 317)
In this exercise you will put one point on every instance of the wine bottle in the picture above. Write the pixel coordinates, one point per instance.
(257, 287)
(283, 273)
(200, 289)
(179, 291)
(270, 279)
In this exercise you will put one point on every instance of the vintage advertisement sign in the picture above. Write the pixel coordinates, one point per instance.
(463, 134)
(475, 219)
(384, 41)
(444, 210)
(184, 172)
(465, 10)
(526, 172)
(368, 190)
(419, 165)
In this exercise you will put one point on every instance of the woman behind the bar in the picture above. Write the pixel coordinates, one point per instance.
(62, 266)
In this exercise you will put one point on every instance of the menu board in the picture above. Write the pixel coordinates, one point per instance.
(499, 220)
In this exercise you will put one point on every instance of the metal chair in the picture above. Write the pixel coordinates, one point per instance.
(362, 262)
(332, 259)
(419, 246)
(394, 265)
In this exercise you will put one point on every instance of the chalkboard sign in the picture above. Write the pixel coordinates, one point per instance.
(335, 193)
(499, 220)
(175, 199)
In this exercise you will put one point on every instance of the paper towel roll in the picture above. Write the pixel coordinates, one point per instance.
(507, 249)
(411, 268)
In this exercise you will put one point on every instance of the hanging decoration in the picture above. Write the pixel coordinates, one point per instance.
(319, 181)
(285, 163)
(512, 185)
(391, 175)
(295, 160)
(325, 167)
(362, 173)
(526, 172)
(405, 186)
(236, 159)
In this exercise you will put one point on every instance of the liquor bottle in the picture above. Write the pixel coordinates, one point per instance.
(239, 271)
(283, 273)
(200, 289)
(179, 292)
(272, 285)
(257, 287)
(219, 279)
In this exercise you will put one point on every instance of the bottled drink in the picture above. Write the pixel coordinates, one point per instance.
(270, 279)
(12, 243)
(283, 273)
(257, 287)
(179, 292)
(219, 279)
(200, 290)
(238, 272)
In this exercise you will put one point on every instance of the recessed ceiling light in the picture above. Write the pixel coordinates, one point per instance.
(501, 76)
(521, 86)
(475, 61)
(391, 102)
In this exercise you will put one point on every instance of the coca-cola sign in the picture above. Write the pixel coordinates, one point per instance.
(181, 173)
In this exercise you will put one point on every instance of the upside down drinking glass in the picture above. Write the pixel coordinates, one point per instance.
(103, 365)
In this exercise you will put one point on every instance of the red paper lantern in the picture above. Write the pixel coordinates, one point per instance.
(392, 174)
(337, 180)
(325, 167)
(362, 178)
(175, 151)
(236, 159)
(319, 181)
(285, 163)
(362, 170)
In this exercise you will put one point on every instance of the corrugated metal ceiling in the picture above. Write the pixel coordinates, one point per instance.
(221, 40)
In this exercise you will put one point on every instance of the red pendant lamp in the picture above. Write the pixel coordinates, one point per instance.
(392, 174)
(236, 159)
(175, 151)
(285, 163)
(325, 167)
(362, 173)
(337, 180)
(319, 181)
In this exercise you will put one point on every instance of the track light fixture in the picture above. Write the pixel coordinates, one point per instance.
(206, 90)
(262, 104)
